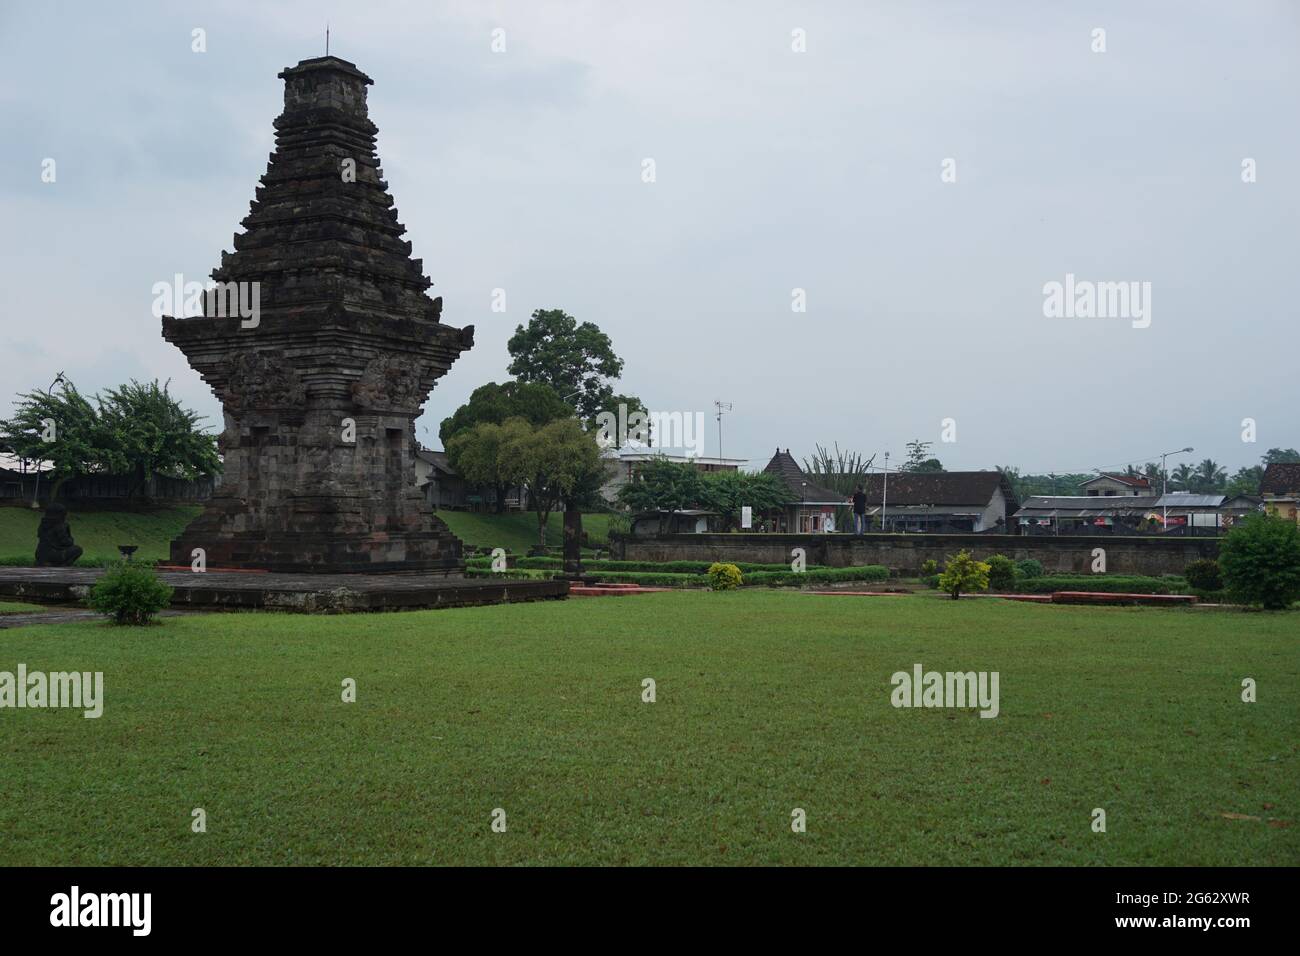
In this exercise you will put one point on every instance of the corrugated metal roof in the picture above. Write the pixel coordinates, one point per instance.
(1183, 499)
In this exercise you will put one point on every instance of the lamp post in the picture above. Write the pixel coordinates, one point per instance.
(803, 495)
(884, 494)
(1164, 486)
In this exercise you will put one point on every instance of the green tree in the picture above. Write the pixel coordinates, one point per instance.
(148, 432)
(727, 492)
(1182, 478)
(663, 485)
(918, 457)
(62, 428)
(1280, 456)
(1245, 481)
(1260, 561)
(1209, 478)
(534, 402)
(559, 462)
(476, 455)
(964, 573)
(576, 359)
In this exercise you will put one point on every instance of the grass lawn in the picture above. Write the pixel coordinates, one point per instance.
(766, 701)
(18, 607)
(517, 531)
(99, 531)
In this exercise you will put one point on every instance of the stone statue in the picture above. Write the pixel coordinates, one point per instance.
(54, 544)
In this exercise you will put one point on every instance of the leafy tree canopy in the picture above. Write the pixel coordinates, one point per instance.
(137, 429)
(1260, 560)
(535, 402)
(919, 458)
(575, 359)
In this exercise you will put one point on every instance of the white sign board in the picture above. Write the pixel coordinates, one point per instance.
(746, 517)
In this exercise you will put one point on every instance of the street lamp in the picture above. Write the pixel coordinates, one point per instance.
(1164, 491)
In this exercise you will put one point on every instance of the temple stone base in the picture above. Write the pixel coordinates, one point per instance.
(328, 541)
(306, 593)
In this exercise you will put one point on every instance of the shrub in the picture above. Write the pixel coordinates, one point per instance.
(1107, 583)
(930, 580)
(1029, 568)
(929, 567)
(130, 594)
(869, 572)
(1260, 558)
(1002, 573)
(724, 577)
(1204, 575)
(964, 573)
(650, 580)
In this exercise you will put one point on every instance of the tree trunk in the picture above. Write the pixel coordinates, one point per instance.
(137, 479)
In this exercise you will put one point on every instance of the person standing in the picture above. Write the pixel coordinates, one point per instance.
(859, 510)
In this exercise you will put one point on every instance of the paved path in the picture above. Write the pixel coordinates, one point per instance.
(61, 615)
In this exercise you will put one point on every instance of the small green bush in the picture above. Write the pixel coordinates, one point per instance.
(964, 573)
(1029, 568)
(1002, 573)
(1204, 575)
(1260, 558)
(929, 567)
(724, 577)
(130, 594)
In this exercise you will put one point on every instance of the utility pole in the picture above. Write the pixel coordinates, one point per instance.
(1056, 519)
(721, 406)
(884, 496)
(1164, 486)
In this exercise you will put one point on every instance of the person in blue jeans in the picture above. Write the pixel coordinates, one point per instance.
(859, 510)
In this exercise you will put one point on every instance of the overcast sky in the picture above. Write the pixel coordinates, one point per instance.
(775, 170)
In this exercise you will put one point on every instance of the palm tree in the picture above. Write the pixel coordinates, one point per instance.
(1209, 478)
(1181, 478)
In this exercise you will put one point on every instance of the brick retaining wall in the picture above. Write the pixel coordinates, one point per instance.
(906, 552)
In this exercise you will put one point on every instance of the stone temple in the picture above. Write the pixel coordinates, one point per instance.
(321, 388)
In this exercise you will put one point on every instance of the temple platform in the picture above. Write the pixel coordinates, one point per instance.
(308, 593)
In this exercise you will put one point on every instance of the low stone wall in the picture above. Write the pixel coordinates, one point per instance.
(904, 553)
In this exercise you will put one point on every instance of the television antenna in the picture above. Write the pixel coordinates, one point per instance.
(722, 407)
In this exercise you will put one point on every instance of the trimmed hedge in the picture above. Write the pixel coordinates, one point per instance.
(1107, 583)
(773, 579)
(649, 580)
(507, 575)
(870, 572)
(651, 567)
